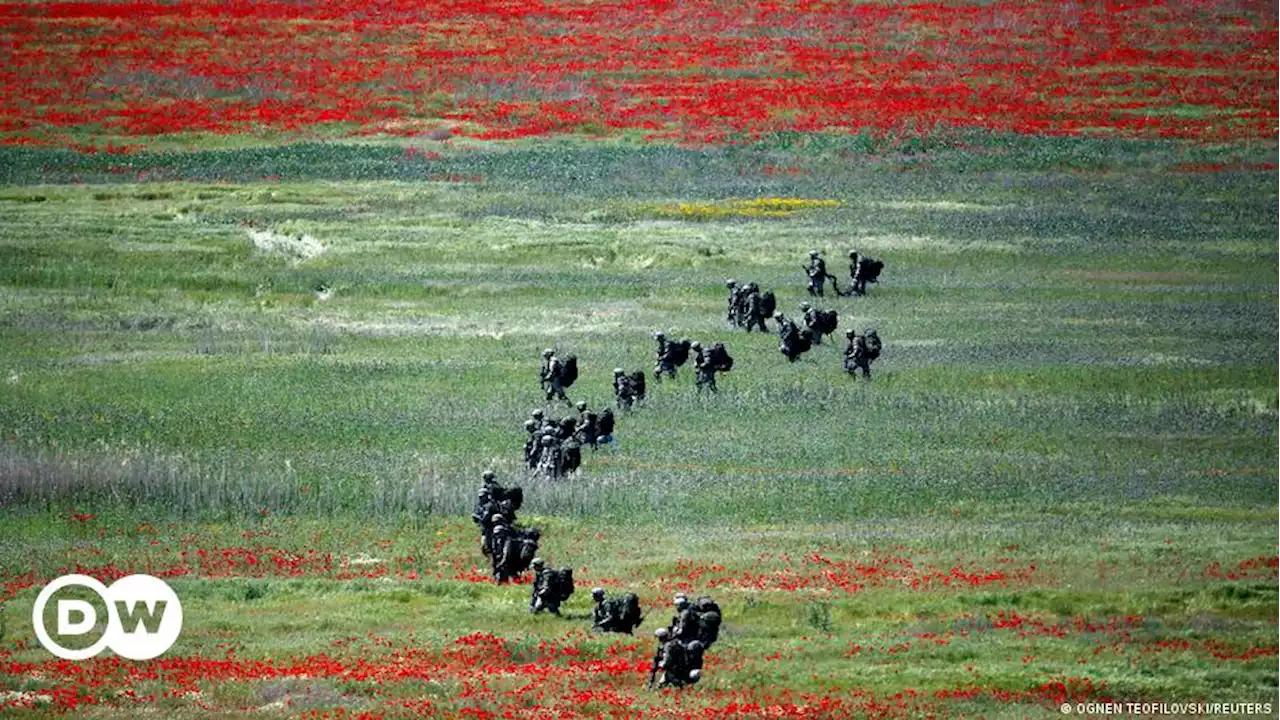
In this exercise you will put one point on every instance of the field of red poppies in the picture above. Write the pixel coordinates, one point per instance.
(703, 71)
(843, 631)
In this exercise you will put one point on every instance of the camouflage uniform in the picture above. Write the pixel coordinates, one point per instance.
(624, 394)
(731, 312)
(705, 369)
(755, 312)
(811, 322)
(817, 272)
(789, 337)
(664, 364)
(554, 385)
(855, 355)
(542, 596)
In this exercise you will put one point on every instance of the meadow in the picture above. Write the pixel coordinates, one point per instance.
(1058, 486)
(275, 277)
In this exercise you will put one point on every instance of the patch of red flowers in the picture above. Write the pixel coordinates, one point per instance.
(700, 70)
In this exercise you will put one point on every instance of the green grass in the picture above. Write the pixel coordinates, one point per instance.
(1079, 375)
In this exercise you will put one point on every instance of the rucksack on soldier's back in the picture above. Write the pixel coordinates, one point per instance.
(570, 374)
(721, 360)
(680, 352)
(562, 583)
(827, 321)
(768, 304)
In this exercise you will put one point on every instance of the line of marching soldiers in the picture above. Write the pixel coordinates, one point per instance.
(509, 548)
(672, 355)
(513, 550)
(862, 270)
(554, 447)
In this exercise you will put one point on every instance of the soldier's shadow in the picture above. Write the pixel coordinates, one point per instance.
(575, 616)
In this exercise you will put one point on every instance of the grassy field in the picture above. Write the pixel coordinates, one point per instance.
(1059, 486)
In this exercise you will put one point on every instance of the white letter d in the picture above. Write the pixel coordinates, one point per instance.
(88, 617)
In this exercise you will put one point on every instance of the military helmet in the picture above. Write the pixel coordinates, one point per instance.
(853, 253)
(804, 305)
(617, 371)
(488, 475)
(695, 675)
(814, 253)
(679, 597)
(659, 334)
(850, 332)
(582, 405)
(719, 346)
(547, 439)
(548, 352)
(695, 345)
(779, 316)
(597, 593)
(500, 529)
(530, 425)
(537, 413)
(871, 331)
(730, 282)
(661, 633)
(537, 562)
(496, 518)
(484, 492)
(696, 645)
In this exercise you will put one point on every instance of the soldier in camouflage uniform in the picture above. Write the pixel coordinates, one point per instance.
(704, 368)
(731, 313)
(543, 596)
(788, 336)
(811, 322)
(817, 272)
(624, 393)
(855, 355)
(754, 309)
(664, 365)
(553, 384)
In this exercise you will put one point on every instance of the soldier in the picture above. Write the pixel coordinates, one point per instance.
(855, 355)
(854, 261)
(554, 378)
(621, 614)
(602, 618)
(501, 544)
(873, 346)
(623, 393)
(755, 309)
(665, 365)
(581, 406)
(817, 272)
(663, 636)
(862, 273)
(541, 586)
(530, 443)
(544, 373)
(588, 430)
(704, 367)
(546, 593)
(811, 321)
(551, 459)
(788, 336)
(731, 313)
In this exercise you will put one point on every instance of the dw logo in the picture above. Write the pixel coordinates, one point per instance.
(144, 617)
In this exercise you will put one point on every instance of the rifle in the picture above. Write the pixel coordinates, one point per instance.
(653, 671)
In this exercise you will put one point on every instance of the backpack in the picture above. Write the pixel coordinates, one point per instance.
(561, 583)
(631, 615)
(873, 347)
(805, 341)
(720, 359)
(768, 304)
(604, 426)
(637, 382)
(679, 352)
(827, 321)
(569, 375)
